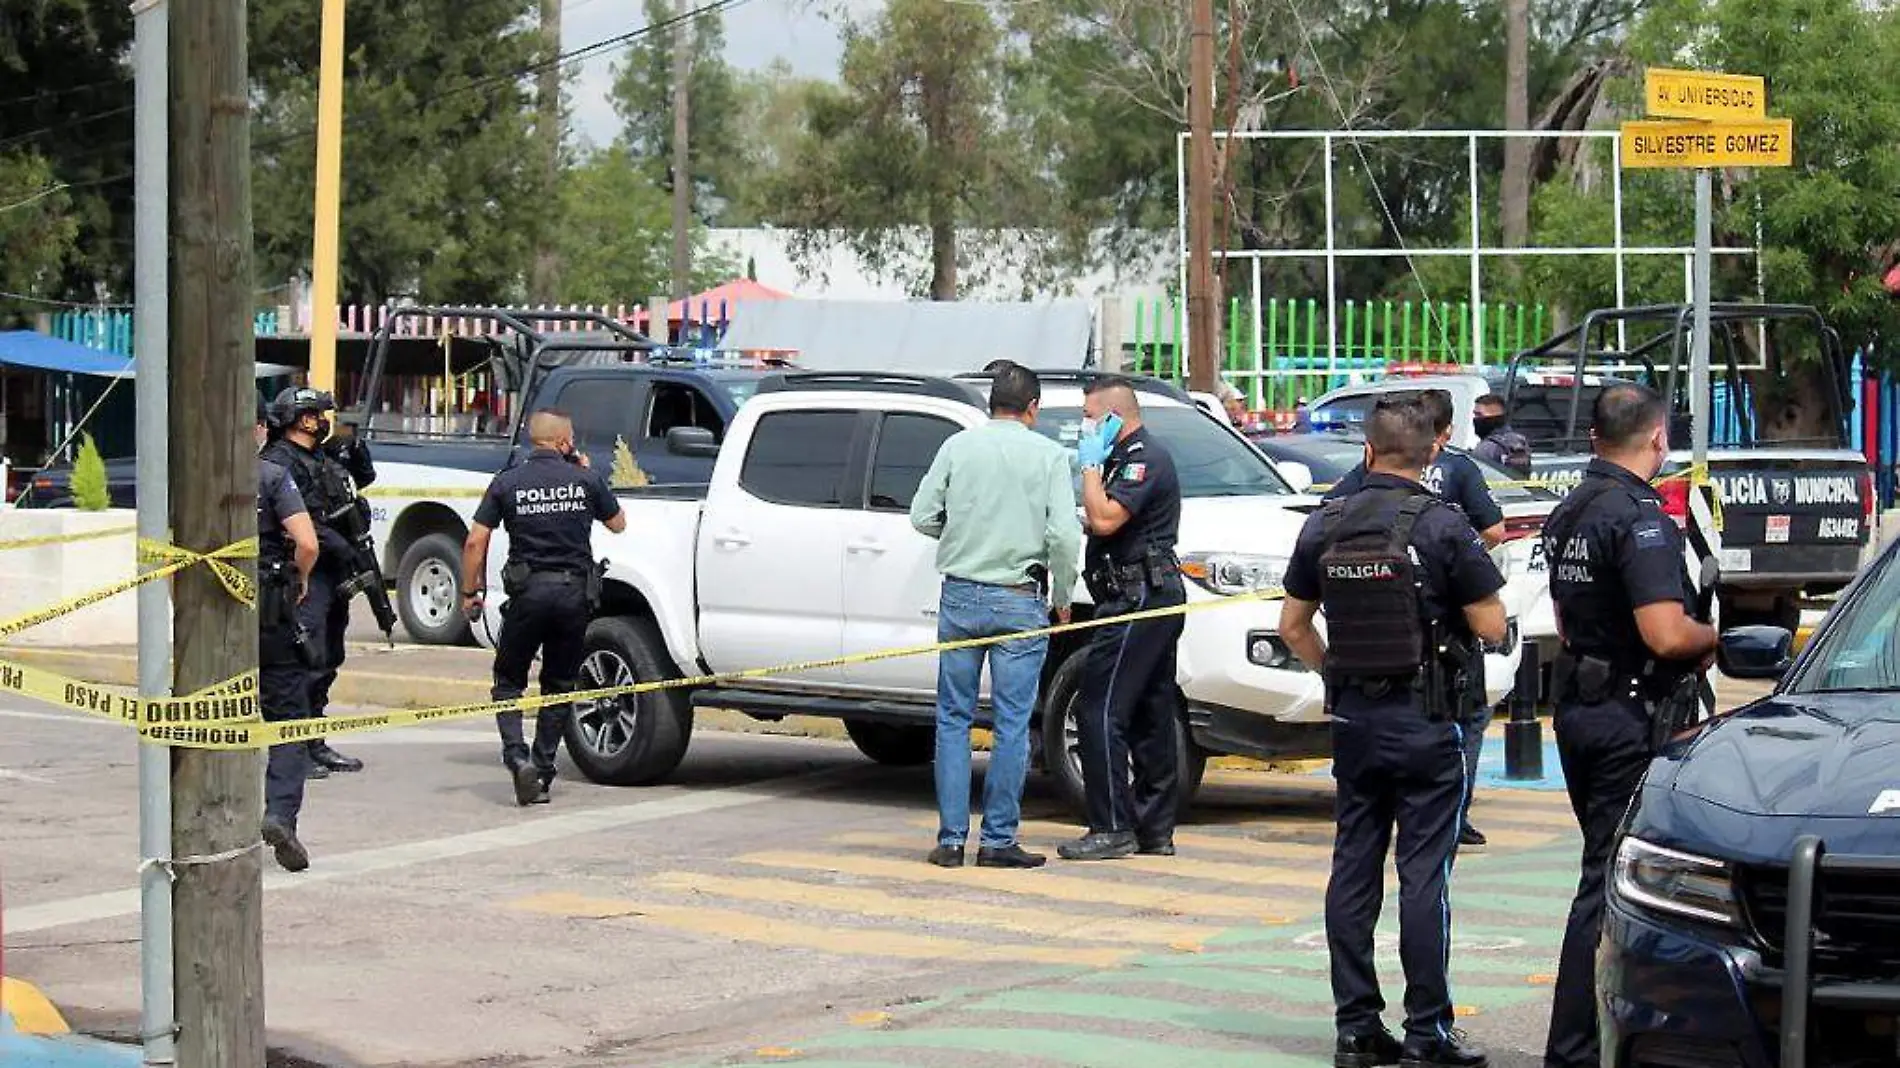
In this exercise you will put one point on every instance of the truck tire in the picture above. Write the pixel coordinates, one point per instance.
(1059, 739)
(895, 744)
(428, 592)
(636, 740)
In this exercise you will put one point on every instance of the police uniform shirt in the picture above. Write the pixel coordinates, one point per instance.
(549, 506)
(277, 500)
(1139, 475)
(1450, 560)
(1452, 478)
(1621, 553)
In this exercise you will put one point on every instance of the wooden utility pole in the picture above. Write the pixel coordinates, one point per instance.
(1514, 193)
(217, 798)
(683, 42)
(545, 283)
(1203, 315)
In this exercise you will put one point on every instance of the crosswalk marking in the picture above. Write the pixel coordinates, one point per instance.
(1268, 910)
(867, 902)
(1183, 867)
(848, 941)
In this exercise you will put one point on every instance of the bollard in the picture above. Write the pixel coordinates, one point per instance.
(1523, 734)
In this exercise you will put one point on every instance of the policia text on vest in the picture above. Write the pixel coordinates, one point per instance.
(1407, 589)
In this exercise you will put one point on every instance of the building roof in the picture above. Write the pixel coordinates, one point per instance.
(920, 337)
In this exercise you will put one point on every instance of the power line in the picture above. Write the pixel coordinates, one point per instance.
(63, 126)
(41, 195)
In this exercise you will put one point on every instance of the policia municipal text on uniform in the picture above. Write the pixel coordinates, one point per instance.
(1616, 558)
(549, 505)
(1406, 586)
(286, 557)
(323, 469)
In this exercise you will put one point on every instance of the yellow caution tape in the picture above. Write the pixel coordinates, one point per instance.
(426, 492)
(64, 539)
(191, 728)
(233, 700)
(235, 581)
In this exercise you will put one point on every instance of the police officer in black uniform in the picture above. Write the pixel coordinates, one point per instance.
(286, 556)
(1129, 704)
(1406, 585)
(1455, 479)
(549, 504)
(323, 469)
(1624, 609)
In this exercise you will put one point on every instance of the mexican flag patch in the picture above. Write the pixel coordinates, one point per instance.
(1134, 472)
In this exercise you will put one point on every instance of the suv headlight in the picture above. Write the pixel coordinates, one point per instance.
(1229, 574)
(1681, 884)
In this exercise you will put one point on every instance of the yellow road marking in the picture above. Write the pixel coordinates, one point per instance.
(1045, 884)
(1185, 867)
(847, 941)
(32, 1013)
(869, 1019)
(868, 902)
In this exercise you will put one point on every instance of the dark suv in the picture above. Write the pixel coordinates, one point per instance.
(1753, 915)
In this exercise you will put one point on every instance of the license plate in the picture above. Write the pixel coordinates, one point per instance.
(1735, 560)
(1778, 530)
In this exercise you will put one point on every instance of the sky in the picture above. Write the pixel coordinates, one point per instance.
(757, 32)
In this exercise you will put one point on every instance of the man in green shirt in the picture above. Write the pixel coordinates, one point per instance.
(1000, 501)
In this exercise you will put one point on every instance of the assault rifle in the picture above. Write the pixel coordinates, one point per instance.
(1681, 705)
(366, 574)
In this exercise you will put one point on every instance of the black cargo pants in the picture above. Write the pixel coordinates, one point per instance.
(1392, 766)
(283, 694)
(548, 616)
(1126, 714)
(1604, 748)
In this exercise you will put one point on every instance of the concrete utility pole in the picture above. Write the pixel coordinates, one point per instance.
(544, 287)
(217, 797)
(150, 263)
(1203, 315)
(683, 42)
(1515, 190)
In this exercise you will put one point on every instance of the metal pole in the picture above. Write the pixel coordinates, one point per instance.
(1616, 213)
(157, 1015)
(1477, 239)
(1332, 271)
(1203, 315)
(682, 39)
(323, 252)
(1699, 341)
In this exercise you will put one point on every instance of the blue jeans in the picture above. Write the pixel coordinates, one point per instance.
(973, 610)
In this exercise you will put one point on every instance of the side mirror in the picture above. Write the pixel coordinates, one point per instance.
(694, 441)
(1299, 475)
(1755, 652)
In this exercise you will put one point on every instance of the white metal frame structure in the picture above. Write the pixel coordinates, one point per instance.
(1475, 252)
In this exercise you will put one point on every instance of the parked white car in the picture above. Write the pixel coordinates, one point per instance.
(801, 550)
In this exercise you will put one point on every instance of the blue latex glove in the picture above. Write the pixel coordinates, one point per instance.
(1093, 449)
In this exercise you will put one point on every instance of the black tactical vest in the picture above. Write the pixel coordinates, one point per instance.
(1369, 586)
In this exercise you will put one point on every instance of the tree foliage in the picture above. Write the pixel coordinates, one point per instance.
(89, 478)
(615, 237)
(643, 98)
(39, 228)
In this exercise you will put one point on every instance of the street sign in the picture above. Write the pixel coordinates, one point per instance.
(1692, 94)
(1759, 143)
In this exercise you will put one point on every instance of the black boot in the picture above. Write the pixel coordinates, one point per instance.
(282, 838)
(1448, 1052)
(529, 789)
(1012, 855)
(1374, 1049)
(322, 755)
(1099, 845)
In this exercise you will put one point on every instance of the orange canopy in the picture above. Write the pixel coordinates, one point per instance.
(714, 304)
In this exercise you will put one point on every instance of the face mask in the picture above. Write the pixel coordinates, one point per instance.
(1091, 427)
(323, 430)
(1487, 425)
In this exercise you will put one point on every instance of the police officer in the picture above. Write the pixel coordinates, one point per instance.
(1616, 561)
(323, 469)
(286, 556)
(549, 504)
(1129, 706)
(1456, 480)
(1405, 584)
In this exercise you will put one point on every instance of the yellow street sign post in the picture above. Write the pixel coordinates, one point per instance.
(1727, 143)
(1702, 120)
(1694, 94)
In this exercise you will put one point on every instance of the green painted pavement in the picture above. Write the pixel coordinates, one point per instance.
(1159, 1011)
(1313, 989)
(1093, 1050)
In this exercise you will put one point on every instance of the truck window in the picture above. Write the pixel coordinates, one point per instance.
(906, 444)
(603, 409)
(799, 458)
(675, 404)
(1345, 413)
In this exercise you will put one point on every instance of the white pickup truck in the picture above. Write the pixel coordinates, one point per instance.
(801, 550)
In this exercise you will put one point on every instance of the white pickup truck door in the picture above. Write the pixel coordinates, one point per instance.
(890, 572)
(769, 564)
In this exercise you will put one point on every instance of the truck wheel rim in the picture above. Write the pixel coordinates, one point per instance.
(432, 592)
(608, 726)
(1072, 735)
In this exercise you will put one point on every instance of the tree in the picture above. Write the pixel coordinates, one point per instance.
(89, 478)
(915, 136)
(768, 125)
(39, 230)
(643, 98)
(440, 191)
(66, 98)
(613, 234)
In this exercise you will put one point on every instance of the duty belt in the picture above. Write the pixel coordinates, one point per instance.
(1593, 680)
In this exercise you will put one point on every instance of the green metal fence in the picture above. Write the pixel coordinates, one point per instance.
(111, 330)
(1286, 358)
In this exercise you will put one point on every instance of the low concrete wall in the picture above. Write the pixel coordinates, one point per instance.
(36, 577)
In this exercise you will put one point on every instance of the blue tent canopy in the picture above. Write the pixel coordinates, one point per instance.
(28, 348)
